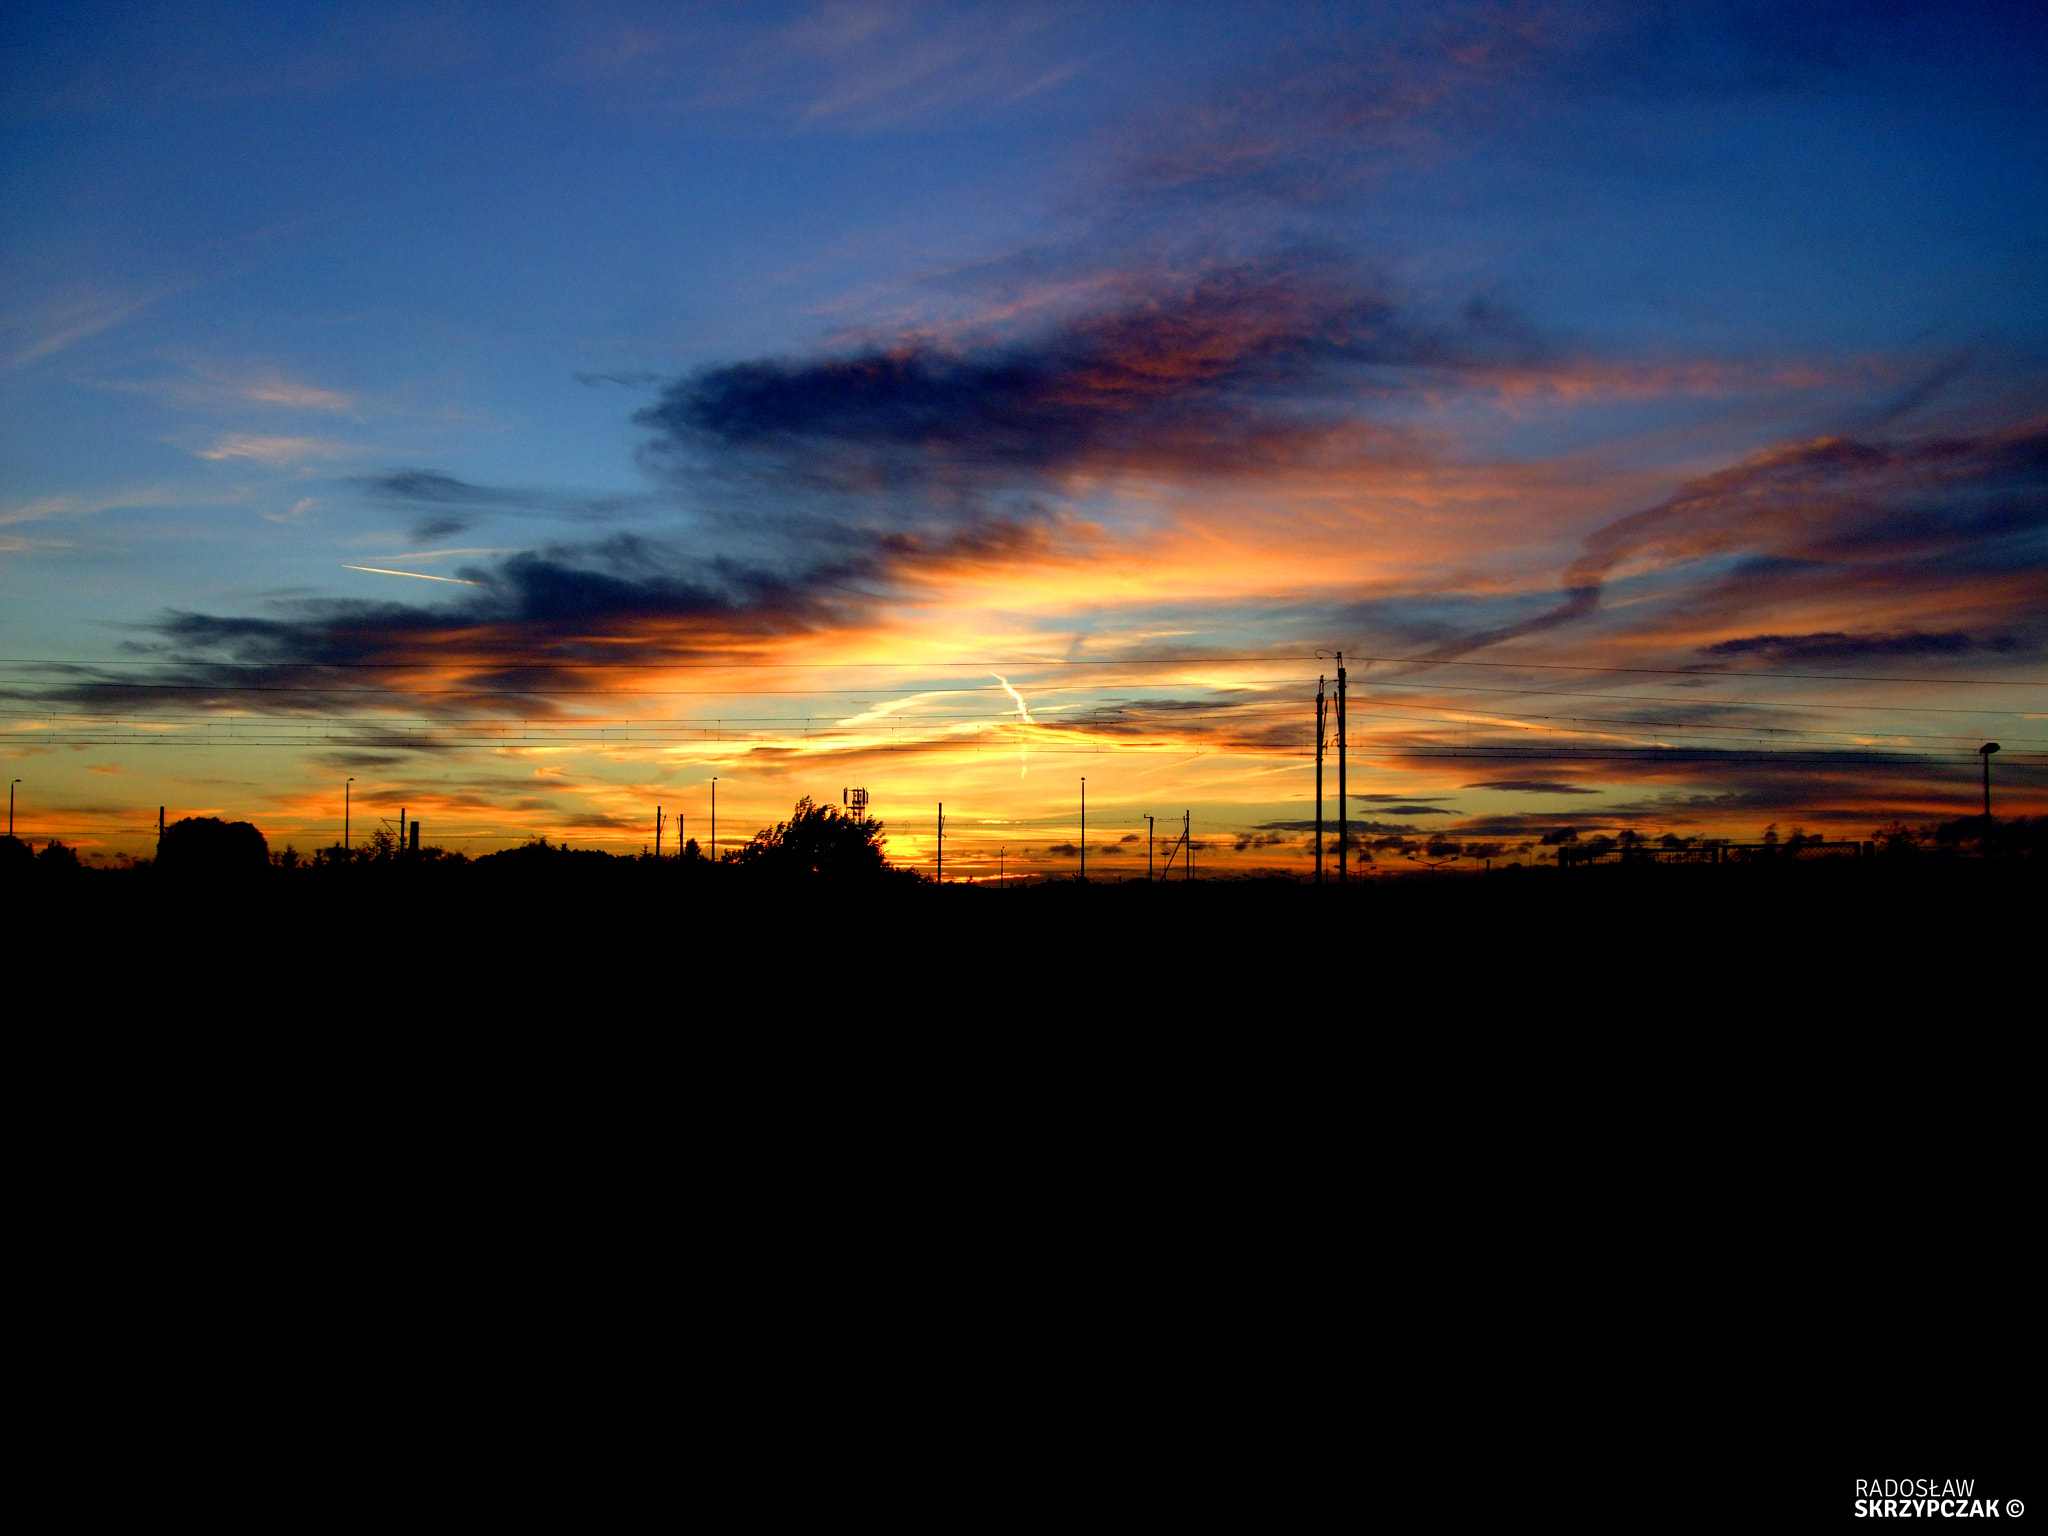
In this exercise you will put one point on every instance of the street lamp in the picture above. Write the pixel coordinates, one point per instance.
(344, 813)
(1985, 752)
(714, 818)
(1084, 826)
(10, 808)
(1148, 850)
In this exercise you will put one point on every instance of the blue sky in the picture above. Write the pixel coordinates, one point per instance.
(931, 335)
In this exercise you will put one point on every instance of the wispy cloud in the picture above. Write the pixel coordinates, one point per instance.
(59, 323)
(278, 452)
(214, 386)
(78, 504)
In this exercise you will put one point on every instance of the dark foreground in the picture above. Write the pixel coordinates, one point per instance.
(1646, 1128)
(632, 942)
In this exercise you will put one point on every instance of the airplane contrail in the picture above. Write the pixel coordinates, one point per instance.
(1023, 751)
(1022, 709)
(378, 570)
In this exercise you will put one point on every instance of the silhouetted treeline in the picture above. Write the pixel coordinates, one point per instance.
(823, 847)
(819, 845)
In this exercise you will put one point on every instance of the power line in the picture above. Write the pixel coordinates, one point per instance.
(963, 665)
(358, 691)
(827, 727)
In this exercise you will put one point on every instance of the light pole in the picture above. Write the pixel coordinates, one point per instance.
(1084, 826)
(714, 818)
(1148, 850)
(1984, 752)
(344, 814)
(10, 808)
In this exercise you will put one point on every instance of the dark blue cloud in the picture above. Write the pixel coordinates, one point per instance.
(1239, 367)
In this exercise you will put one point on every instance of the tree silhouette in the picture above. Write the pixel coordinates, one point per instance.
(57, 857)
(206, 845)
(816, 840)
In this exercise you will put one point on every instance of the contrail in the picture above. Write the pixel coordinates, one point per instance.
(378, 570)
(1013, 693)
(1023, 751)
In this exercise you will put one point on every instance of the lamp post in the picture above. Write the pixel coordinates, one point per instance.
(344, 814)
(1985, 752)
(1148, 850)
(1084, 826)
(714, 818)
(10, 808)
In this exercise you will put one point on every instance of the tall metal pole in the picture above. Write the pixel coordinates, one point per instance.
(1187, 841)
(714, 818)
(1322, 715)
(657, 831)
(344, 815)
(10, 805)
(1148, 850)
(1343, 788)
(1084, 825)
(1985, 752)
(942, 842)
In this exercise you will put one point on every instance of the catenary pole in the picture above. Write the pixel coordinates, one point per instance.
(1343, 788)
(1322, 714)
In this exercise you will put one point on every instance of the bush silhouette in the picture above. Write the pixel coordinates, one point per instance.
(816, 840)
(206, 845)
(58, 857)
(16, 857)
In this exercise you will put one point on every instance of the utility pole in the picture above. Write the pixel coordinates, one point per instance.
(1188, 841)
(1322, 715)
(1343, 789)
(657, 831)
(1084, 822)
(344, 815)
(714, 818)
(1148, 850)
(1002, 874)
(942, 842)
(159, 829)
(401, 829)
(10, 810)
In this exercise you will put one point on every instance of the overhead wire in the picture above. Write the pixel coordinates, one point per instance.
(973, 663)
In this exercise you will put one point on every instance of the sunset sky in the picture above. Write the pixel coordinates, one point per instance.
(533, 411)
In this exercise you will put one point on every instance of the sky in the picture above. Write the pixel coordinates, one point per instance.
(523, 414)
